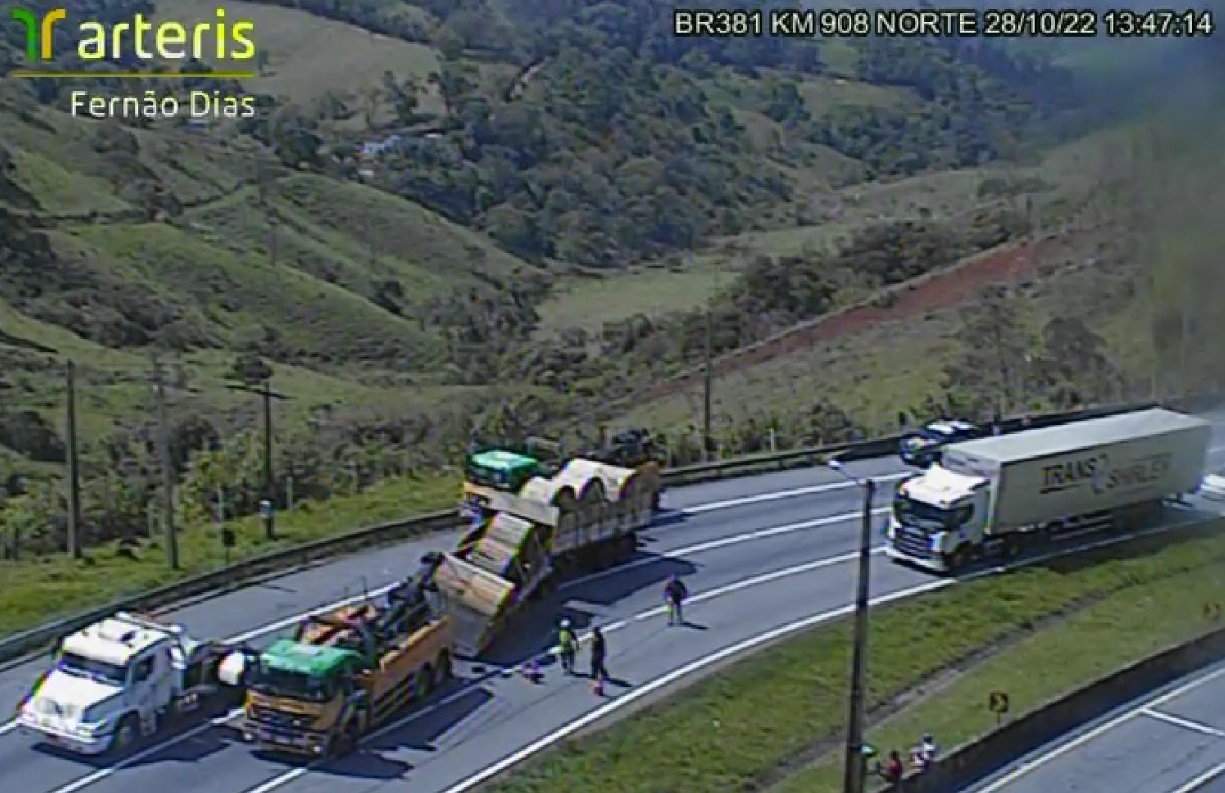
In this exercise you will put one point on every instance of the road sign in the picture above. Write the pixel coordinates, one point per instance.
(998, 703)
(1212, 611)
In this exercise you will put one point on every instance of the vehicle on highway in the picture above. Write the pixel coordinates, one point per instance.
(126, 677)
(923, 448)
(997, 495)
(496, 468)
(1213, 485)
(347, 672)
(531, 521)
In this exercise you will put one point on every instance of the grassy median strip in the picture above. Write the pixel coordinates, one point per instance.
(41, 589)
(737, 729)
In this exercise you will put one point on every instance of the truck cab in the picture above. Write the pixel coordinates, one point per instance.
(344, 672)
(297, 694)
(119, 679)
(498, 470)
(924, 447)
(936, 516)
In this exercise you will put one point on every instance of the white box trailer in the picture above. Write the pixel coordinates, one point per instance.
(995, 494)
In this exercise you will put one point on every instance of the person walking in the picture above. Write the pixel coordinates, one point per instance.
(599, 652)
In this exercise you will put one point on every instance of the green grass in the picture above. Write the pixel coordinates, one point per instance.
(32, 592)
(310, 56)
(735, 729)
(589, 302)
(1088, 645)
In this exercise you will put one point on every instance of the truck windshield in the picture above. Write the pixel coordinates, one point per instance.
(292, 685)
(92, 669)
(923, 516)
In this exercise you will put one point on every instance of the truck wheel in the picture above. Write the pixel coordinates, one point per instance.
(443, 669)
(960, 558)
(423, 682)
(347, 740)
(125, 733)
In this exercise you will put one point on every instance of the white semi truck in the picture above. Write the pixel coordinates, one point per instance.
(999, 495)
(125, 677)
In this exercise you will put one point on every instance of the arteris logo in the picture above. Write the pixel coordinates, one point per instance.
(219, 39)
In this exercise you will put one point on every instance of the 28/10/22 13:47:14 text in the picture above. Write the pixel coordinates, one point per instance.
(964, 22)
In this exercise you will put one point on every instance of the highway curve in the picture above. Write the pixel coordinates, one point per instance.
(1170, 741)
(757, 554)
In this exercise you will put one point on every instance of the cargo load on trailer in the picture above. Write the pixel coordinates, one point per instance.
(346, 672)
(497, 469)
(126, 677)
(998, 495)
(585, 516)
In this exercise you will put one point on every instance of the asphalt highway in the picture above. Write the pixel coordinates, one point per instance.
(758, 555)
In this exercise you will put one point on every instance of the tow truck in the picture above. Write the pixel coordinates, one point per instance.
(344, 673)
(126, 677)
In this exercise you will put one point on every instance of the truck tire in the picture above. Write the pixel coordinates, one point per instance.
(958, 559)
(347, 739)
(125, 733)
(423, 682)
(443, 669)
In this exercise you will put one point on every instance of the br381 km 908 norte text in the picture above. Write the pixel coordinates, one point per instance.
(1012, 22)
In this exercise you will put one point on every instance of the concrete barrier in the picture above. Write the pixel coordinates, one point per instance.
(973, 762)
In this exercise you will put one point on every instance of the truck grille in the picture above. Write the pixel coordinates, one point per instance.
(275, 718)
(912, 542)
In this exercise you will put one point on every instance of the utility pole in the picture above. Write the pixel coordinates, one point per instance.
(74, 473)
(854, 779)
(853, 773)
(163, 442)
(265, 392)
(708, 387)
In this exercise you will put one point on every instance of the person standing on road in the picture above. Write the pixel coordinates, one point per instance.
(567, 645)
(599, 652)
(674, 596)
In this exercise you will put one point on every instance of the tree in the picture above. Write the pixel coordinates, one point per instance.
(992, 373)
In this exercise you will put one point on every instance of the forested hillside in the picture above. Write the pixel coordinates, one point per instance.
(384, 240)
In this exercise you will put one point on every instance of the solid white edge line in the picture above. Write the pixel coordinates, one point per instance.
(754, 641)
(467, 688)
(1035, 763)
(1202, 779)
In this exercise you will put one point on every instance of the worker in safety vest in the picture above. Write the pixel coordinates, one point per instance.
(567, 645)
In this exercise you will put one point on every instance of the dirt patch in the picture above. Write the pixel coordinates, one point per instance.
(943, 289)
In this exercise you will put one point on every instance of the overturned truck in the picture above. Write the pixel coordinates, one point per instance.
(529, 528)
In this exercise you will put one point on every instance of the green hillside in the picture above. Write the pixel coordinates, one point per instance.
(487, 216)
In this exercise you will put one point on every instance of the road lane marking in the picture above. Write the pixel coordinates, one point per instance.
(1186, 724)
(289, 776)
(466, 689)
(1030, 766)
(650, 686)
(723, 542)
(778, 495)
(1202, 779)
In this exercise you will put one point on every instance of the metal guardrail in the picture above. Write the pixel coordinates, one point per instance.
(249, 570)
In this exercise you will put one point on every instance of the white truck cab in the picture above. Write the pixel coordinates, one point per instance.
(936, 513)
(116, 680)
